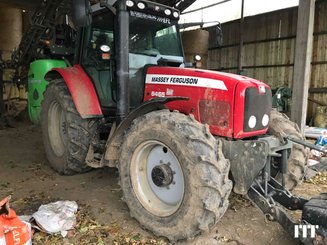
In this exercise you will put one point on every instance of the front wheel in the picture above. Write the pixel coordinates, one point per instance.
(173, 175)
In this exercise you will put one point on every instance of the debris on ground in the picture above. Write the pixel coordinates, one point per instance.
(319, 179)
(56, 217)
(236, 202)
(322, 166)
(13, 231)
(89, 231)
(51, 219)
(317, 168)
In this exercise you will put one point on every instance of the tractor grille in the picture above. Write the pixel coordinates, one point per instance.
(257, 105)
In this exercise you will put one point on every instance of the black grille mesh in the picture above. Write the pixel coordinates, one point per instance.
(256, 105)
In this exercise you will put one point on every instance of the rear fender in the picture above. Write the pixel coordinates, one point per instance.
(81, 88)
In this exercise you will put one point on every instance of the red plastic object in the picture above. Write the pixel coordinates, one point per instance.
(13, 231)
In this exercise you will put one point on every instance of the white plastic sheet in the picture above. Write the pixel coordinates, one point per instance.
(56, 217)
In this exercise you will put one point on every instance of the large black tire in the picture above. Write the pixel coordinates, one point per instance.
(280, 125)
(66, 136)
(205, 174)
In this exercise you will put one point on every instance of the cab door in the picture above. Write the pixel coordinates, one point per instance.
(97, 56)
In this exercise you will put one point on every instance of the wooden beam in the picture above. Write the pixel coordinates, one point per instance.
(302, 63)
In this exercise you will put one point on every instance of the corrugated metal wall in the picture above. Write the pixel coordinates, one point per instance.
(269, 43)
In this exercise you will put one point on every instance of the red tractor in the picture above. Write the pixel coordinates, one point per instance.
(182, 138)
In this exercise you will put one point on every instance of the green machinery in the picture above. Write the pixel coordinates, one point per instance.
(37, 85)
(281, 96)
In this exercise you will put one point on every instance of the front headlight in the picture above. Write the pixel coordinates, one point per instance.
(167, 12)
(252, 122)
(265, 120)
(129, 3)
(141, 5)
(176, 14)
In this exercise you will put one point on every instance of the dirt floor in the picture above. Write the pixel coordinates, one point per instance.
(103, 217)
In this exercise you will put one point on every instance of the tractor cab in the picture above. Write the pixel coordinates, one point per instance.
(153, 39)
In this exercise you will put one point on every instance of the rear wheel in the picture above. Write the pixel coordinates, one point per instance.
(173, 175)
(280, 125)
(66, 136)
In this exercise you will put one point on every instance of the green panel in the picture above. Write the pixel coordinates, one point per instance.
(37, 85)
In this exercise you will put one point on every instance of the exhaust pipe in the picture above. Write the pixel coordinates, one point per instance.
(122, 49)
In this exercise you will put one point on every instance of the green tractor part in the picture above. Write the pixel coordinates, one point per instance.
(280, 98)
(37, 85)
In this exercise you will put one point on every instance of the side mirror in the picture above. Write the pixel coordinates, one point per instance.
(81, 13)
(219, 35)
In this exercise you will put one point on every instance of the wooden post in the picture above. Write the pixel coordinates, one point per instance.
(302, 63)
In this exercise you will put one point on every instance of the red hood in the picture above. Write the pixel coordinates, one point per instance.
(230, 80)
(215, 98)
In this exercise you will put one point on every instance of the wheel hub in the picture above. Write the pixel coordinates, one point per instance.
(162, 175)
(157, 178)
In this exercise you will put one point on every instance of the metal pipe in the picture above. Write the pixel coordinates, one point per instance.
(266, 174)
(206, 7)
(304, 143)
(240, 52)
(283, 166)
(122, 41)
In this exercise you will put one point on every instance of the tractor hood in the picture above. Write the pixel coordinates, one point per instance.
(222, 100)
(200, 78)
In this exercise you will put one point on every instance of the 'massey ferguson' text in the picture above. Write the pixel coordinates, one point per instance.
(181, 80)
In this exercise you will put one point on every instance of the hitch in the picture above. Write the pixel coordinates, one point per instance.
(270, 196)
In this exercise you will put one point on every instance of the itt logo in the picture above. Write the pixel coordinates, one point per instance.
(304, 230)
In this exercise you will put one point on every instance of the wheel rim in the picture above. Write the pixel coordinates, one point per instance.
(157, 178)
(57, 129)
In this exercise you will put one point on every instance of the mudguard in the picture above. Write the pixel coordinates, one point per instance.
(112, 147)
(81, 88)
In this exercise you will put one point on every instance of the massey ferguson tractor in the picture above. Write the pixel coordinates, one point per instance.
(182, 138)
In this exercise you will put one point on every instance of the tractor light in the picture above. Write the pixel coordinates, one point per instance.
(197, 57)
(105, 48)
(129, 3)
(167, 12)
(262, 89)
(265, 120)
(176, 14)
(252, 122)
(141, 5)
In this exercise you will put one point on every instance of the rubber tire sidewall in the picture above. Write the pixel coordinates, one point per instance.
(280, 126)
(191, 212)
(73, 159)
